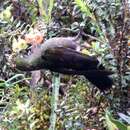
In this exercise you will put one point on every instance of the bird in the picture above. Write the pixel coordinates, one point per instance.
(59, 54)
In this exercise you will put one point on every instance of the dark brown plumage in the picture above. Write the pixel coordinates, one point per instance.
(60, 55)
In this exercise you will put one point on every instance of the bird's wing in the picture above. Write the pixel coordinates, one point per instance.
(60, 57)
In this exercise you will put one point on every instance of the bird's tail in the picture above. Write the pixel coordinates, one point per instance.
(100, 78)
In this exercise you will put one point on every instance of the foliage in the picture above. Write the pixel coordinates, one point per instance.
(24, 112)
(11, 81)
(25, 11)
(106, 28)
(108, 14)
(46, 9)
(85, 8)
(125, 117)
(6, 14)
(114, 124)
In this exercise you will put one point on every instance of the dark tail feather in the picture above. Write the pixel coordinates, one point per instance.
(100, 80)
(97, 72)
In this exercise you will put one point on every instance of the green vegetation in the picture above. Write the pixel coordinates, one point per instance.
(26, 98)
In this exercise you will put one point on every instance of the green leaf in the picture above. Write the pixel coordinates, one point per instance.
(2, 83)
(124, 117)
(54, 100)
(84, 7)
(42, 9)
(128, 127)
(114, 124)
(96, 46)
(110, 125)
(46, 10)
(51, 4)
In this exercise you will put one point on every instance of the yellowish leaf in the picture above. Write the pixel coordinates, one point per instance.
(19, 45)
